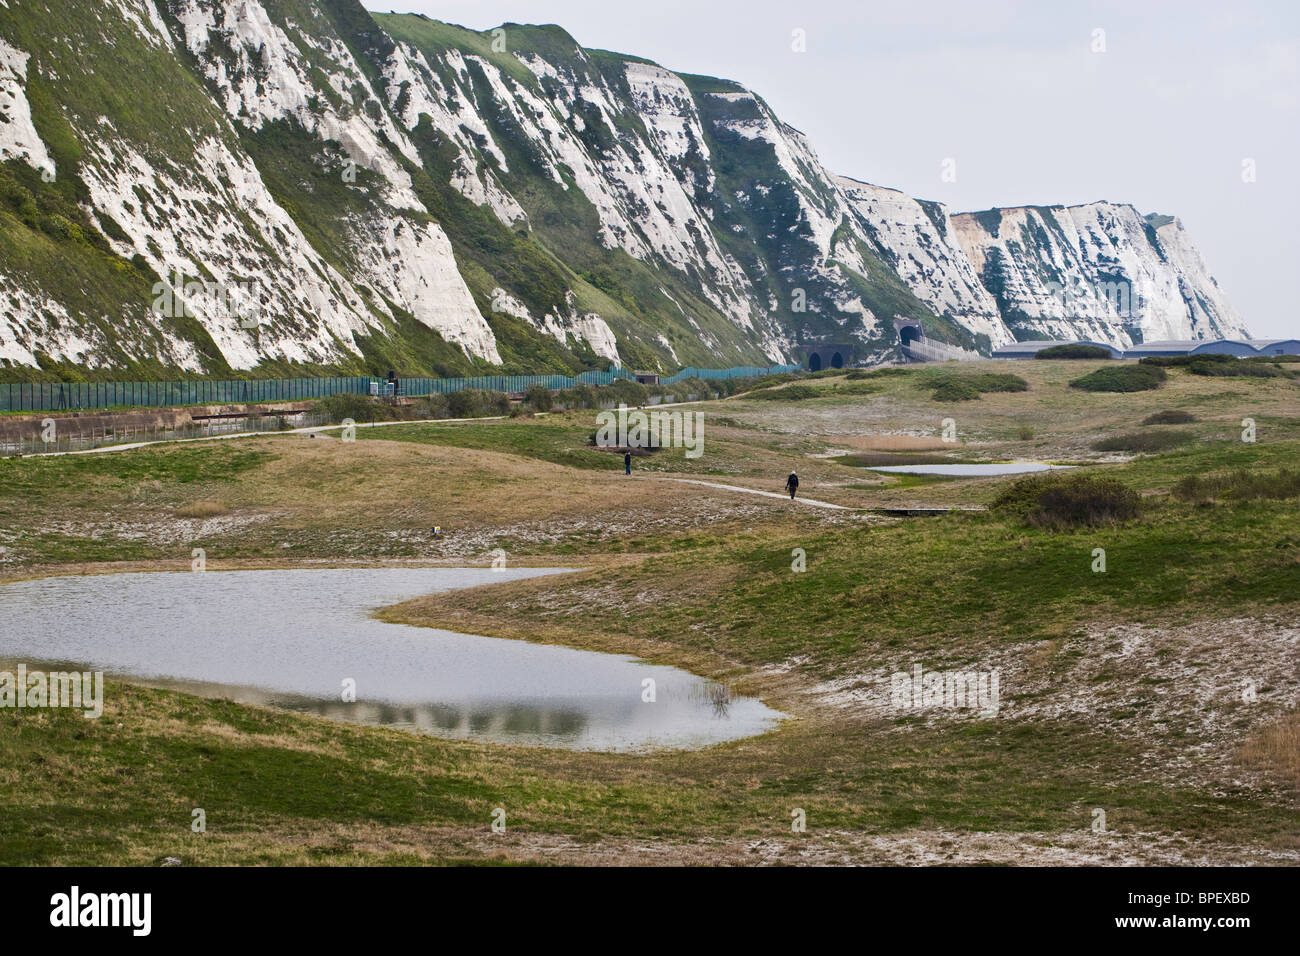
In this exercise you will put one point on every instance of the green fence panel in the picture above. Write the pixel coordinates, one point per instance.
(47, 396)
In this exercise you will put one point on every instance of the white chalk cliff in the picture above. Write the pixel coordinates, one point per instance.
(387, 188)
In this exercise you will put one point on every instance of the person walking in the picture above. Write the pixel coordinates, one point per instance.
(792, 484)
(627, 462)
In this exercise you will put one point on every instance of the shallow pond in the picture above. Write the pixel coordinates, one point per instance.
(970, 470)
(291, 639)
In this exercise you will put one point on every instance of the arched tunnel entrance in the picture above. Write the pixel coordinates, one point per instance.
(910, 332)
(829, 356)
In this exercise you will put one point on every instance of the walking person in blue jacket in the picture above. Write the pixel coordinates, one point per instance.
(792, 484)
(627, 463)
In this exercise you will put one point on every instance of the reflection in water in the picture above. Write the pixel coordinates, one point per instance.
(504, 720)
(716, 694)
(290, 639)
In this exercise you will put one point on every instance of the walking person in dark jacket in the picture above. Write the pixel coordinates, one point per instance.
(792, 484)
(627, 463)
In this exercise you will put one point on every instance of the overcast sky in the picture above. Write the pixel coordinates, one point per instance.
(1164, 118)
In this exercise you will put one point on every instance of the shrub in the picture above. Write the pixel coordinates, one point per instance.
(624, 391)
(955, 391)
(1169, 418)
(1069, 501)
(1142, 441)
(359, 408)
(1245, 369)
(1241, 484)
(1073, 351)
(539, 397)
(1176, 361)
(997, 382)
(477, 403)
(1122, 378)
(1025, 433)
(580, 396)
(953, 386)
(430, 406)
(1256, 366)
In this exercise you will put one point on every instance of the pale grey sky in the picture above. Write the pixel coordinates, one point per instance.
(1163, 119)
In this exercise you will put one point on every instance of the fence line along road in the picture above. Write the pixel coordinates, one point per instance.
(81, 396)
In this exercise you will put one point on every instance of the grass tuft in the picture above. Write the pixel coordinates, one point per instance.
(1240, 485)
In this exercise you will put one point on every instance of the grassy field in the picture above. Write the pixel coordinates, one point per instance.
(1122, 689)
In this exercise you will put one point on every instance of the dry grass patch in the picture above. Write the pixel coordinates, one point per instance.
(896, 443)
(1275, 751)
(206, 508)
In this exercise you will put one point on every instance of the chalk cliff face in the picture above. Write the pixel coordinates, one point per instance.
(1099, 271)
(920, 242)
(222, 185)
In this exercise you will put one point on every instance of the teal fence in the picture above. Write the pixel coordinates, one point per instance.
(65, 396)
(740, 371)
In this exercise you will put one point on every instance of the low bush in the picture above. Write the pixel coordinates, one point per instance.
(1177, 361)
(1172, 417)
(1073, 351)
(955, 391)
(997, 382)
(1246, 369)
(1069, 501)
(1154, 440)
(950, 386)
(430, 406)
(359, 408)
(538, 397)
(580, 396)
(625, 392)
(1122, 378)
(1256, 366)
(477, 403)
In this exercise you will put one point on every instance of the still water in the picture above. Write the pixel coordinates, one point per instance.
(291, 638)
(995, 468)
